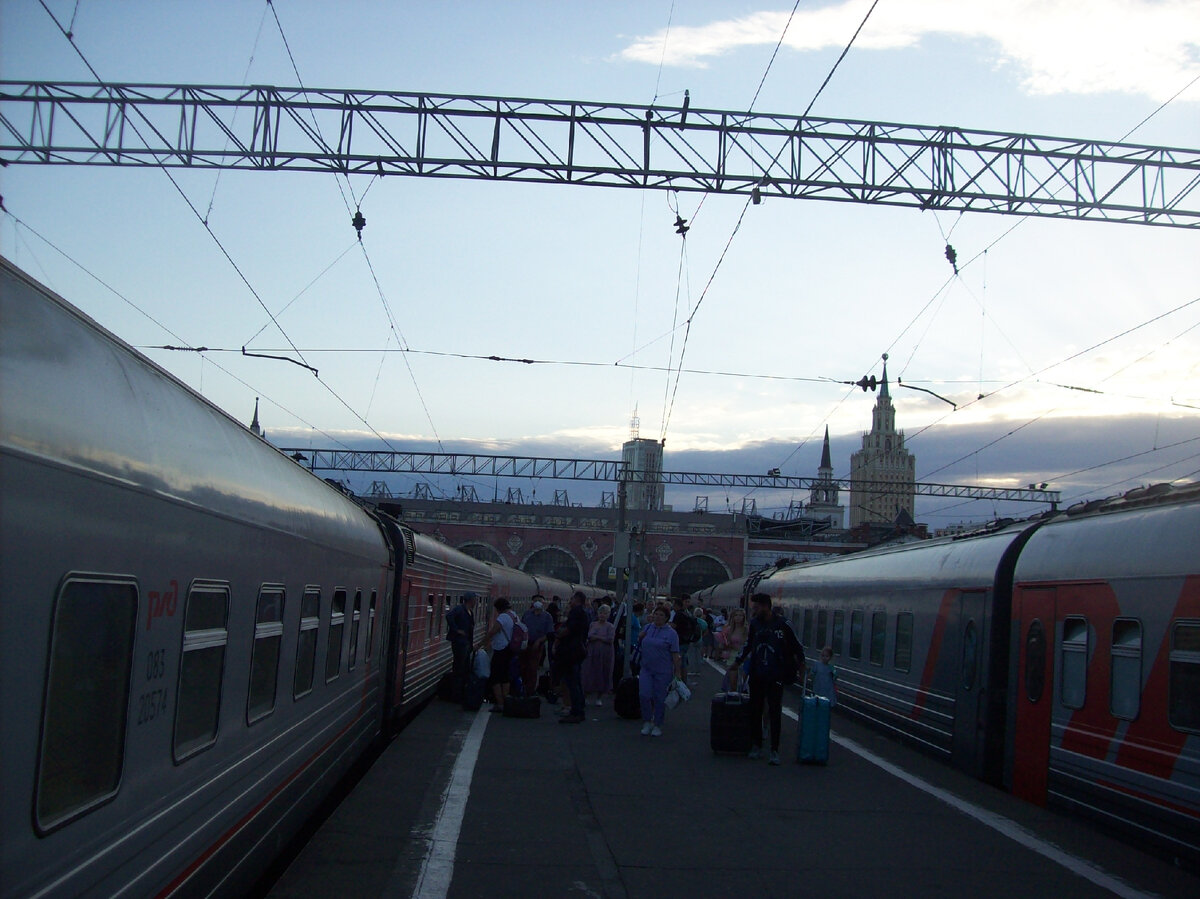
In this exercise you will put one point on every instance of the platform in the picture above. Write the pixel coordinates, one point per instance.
(469, 805)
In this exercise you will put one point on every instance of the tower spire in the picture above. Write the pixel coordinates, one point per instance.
(883, 390)
(826, 461)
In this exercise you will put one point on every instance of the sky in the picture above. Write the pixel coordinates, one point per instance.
(1082, 337)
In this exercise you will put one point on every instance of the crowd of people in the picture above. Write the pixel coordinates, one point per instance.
(572, 655)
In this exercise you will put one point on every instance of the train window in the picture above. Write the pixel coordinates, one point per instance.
(372, 609)
(808, 628)
(1035, 661)
(970, 654)
(902, 654)
(337, 624)
(856, 628)
(822, 630)
(306, 642)
(1125, 689)
(1183, 694)
(264, 658)
(839, 627)
(1074, 662)
(201, 665)
(354, 627)
(878, 637)
(87, 697)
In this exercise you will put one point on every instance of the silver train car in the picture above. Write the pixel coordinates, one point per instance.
(201, 637)
(1057, 658)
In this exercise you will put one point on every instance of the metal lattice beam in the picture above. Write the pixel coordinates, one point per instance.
(609, 145)
(474, 465)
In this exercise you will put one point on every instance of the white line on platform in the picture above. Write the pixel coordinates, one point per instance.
(437, 870)
(999, 823)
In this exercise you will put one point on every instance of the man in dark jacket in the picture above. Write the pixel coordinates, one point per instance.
(460, 631)
(569, 651)
(776, 657)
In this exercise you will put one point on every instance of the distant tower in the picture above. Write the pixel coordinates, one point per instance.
(823, 499)
(645, 457)
(254, 426)
(885, 463)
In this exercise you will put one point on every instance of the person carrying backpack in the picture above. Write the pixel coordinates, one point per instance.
(776, 658)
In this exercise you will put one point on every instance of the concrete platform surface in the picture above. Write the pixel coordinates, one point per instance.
(468, 805)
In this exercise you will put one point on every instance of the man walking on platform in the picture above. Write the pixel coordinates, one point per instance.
(776, 657)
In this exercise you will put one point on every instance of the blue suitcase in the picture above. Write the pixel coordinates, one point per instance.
(812, 747)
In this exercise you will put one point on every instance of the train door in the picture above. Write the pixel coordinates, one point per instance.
(971, 690)
(1034, 612)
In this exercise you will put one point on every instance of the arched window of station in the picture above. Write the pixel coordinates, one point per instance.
(553, 562)
(697, 572)
(482, 552)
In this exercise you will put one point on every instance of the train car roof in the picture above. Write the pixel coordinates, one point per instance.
(965, 561)
(75, 396)
(1151, 531)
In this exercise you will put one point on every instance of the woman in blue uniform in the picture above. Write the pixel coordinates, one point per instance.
(660, 665)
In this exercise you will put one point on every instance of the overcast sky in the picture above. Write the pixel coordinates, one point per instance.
(808, 293)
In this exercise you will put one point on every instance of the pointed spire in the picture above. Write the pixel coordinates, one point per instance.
(826, 462)
(883, 389)
(254, 426)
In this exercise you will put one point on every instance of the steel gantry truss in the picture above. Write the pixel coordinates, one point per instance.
(602, 144)
(475, 465)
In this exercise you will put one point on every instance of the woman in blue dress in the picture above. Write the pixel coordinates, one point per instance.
(660, 665)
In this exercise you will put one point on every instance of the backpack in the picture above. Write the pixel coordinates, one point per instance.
(520, 635)
(773, 657)
(685, 626)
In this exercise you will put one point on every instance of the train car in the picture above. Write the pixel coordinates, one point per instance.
(1058, 657)
(920, 636)
(1105, 685)
(193, 623)
(434, 578)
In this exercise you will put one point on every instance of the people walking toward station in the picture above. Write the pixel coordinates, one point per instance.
(570, 651)
(660, 659)
(460, 631)
(597, 671)
(776, 657)
(500, 635)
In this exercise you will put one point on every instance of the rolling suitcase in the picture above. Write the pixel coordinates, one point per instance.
(472, 700)
(729, 723)
(812, 747)
(626, 701)
(522, 707)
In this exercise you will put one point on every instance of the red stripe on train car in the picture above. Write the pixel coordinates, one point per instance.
(949, 604)
(208, 853)
(1090, 730)
(1151, 745)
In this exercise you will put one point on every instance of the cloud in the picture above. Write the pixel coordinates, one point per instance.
(1084, 458)
(1149, 47)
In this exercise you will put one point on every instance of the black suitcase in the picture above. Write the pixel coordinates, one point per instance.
(522, 707)
(472, 699)
(626, 701)
(729, 723)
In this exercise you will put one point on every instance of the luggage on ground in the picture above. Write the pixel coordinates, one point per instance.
(729, 725)
(450, 688)
(626, 701)
(522, 707)
(472, 700)
(812, 747)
